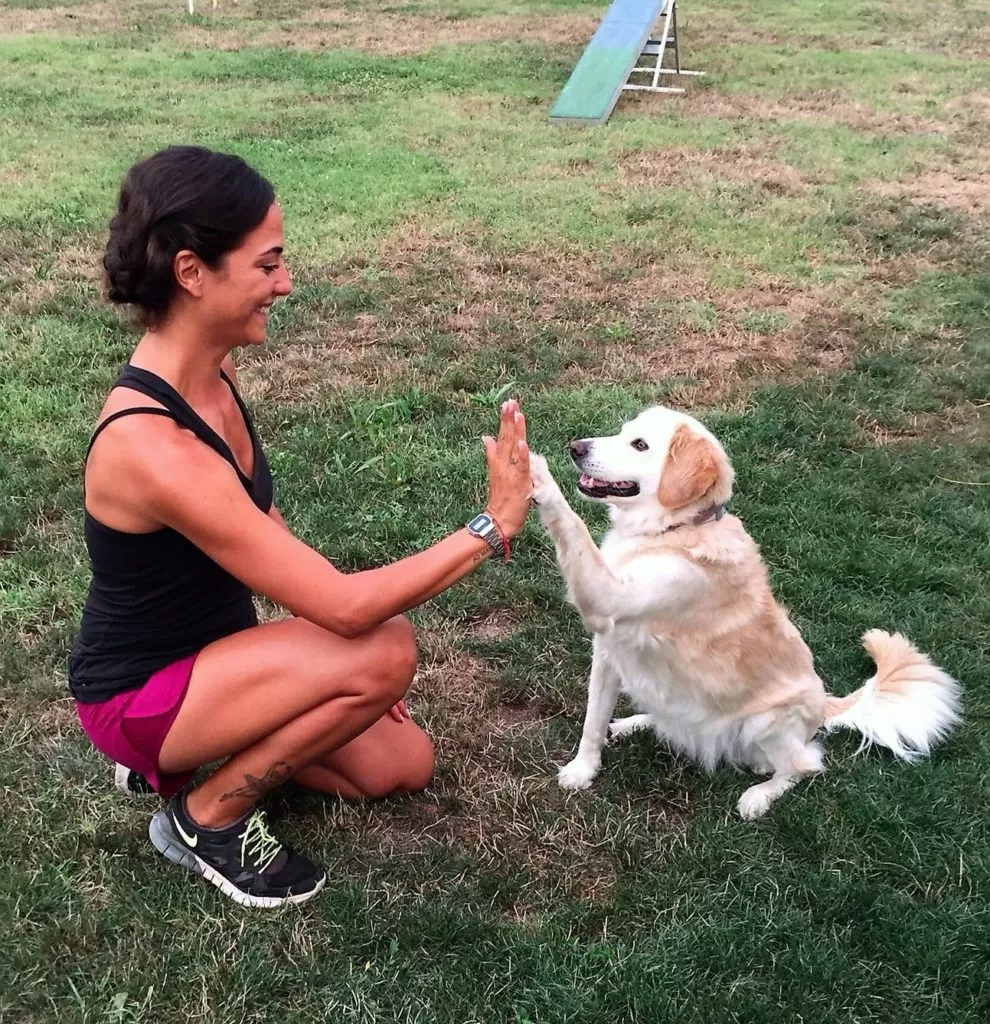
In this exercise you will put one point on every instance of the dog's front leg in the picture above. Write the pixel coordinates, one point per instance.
(603, 691)
(590, 583)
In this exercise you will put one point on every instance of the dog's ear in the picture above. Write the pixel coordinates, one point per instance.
(691, 469)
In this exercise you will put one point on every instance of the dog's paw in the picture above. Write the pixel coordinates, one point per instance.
(754, 803)
(624, 726)
(578, 774)
(545, 489)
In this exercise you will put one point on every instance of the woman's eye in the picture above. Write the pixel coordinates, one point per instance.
(269, 268)
(640, 445)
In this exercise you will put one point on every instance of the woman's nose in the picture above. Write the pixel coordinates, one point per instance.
(283, 286)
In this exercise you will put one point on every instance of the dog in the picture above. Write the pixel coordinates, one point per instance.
(684, 622)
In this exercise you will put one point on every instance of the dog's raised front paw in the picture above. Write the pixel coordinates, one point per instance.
(545, 488)
(577, 774)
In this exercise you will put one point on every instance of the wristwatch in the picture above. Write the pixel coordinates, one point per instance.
(485, 527)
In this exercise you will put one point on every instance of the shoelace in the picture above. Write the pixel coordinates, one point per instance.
(258, 843)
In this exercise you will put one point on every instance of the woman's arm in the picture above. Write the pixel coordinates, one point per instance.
(198, 494)
(276, 516)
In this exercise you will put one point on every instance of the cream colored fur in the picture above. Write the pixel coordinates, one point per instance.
(685, 624)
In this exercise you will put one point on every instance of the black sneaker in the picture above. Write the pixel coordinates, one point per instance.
(131, 782)
(243, 859)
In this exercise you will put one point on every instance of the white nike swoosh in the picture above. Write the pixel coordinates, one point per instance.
(190, 841)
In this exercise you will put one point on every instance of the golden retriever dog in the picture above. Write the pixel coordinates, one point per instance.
(685, 623)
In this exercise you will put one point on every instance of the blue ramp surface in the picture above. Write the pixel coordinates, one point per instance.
(598, 77)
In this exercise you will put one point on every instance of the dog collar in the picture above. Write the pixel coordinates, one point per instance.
(709, 515)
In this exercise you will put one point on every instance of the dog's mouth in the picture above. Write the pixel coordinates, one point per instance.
(595, 488)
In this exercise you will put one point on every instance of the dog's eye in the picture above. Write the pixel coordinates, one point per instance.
(640, 445)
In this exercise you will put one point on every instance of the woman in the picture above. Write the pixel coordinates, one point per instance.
(171, 670)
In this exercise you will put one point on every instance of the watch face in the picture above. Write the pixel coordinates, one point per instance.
(480, 523)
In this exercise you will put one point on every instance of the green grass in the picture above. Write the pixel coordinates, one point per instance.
(778, 251)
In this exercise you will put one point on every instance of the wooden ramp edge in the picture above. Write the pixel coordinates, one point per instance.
(596, 82)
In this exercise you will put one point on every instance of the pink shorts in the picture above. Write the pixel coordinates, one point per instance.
(131, 727)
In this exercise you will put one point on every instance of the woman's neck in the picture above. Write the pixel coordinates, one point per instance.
(185, 359)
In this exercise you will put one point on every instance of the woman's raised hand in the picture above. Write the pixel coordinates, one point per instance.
(509, 482)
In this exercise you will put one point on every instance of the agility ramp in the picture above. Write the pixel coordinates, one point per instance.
(624, 39)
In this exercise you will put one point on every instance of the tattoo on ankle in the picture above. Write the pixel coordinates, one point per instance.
(255, 788)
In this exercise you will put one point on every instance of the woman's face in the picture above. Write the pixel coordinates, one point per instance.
(238, 294)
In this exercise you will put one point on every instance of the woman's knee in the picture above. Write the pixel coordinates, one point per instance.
(419, 764)
(384, 665)
(408, 770)
(394, 657)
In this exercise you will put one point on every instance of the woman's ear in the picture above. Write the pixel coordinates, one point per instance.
(188, 270)
(690, 471)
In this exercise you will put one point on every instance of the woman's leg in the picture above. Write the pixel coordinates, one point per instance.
(277, 698)
(388, 758)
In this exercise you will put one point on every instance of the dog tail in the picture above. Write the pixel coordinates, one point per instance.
(908, 706)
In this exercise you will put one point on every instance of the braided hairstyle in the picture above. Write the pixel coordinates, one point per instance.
(183, 197)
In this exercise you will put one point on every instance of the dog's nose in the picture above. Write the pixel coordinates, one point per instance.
(579, 449)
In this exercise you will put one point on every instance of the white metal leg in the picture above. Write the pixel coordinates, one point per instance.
(657, 49)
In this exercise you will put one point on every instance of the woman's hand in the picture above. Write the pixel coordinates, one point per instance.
(400, 712)
(509, 481)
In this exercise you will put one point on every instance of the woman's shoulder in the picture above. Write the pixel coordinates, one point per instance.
(142, 463)
(127, 421)
(135, 430)
(123, 451)
(121, 398)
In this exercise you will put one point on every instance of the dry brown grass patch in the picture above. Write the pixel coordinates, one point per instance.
(813, 332)
(57, 718)
(882, 435)
(35, 274)
(899, 271)
(745, 165)
(964, 423)
(487, 800)
(302, 371)
(821, 105)
(79, 18)
(374, 28)
(965, 191)
(377, 30)
(496, 624)
(722, 27)
(99, 17)
(627, 320)
(719, 365)
(970, 41)
(974, 105)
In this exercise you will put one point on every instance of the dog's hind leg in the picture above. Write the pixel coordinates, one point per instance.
(624, 726)
(603, 692)
(791, 759)
(756, 801)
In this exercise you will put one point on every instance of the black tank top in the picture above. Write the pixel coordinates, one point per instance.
(155, 597)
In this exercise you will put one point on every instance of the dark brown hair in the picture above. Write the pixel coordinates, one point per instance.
(183, 197)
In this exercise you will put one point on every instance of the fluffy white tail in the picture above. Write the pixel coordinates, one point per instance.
(908, 706)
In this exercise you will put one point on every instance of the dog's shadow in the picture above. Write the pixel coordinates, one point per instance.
(642, 766)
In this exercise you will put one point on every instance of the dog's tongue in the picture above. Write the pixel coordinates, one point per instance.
(608, 485)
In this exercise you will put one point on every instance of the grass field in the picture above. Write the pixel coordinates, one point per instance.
(795, 251)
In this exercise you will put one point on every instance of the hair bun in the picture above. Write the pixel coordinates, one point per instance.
(119, 279)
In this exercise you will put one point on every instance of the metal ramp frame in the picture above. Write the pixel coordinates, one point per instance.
(632, 41)
(657, 49)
